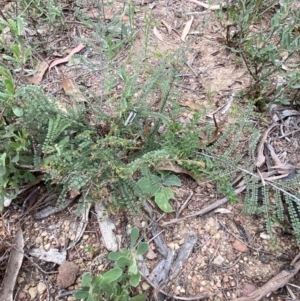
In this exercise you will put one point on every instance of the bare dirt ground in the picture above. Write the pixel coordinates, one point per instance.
(233, 254)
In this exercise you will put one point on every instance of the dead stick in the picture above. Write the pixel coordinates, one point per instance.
(204, 210)
(276, 282)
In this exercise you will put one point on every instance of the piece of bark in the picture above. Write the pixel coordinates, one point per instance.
(161, 272)
(49, 210)
(184, 254)
(13, 267)
(107, 228)
(159, 241)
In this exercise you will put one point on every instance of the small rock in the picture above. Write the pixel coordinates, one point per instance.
(150, 254)
(85, 237)
(264, 236)
(66, 222)
(41, 287)
(219, 260)
(240, 246)
(38, 240)
(211, 226)
(32, 292)
(171, 245)
(20, 280)
(217, 235)
(21, 295)
(67, 273)
(248, 289)
(145, 286)
(72, 236)
(182, 290)
(176, 246)
(47, 247)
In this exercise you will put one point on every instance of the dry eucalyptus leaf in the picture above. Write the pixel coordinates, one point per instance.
(172, 166)
(187, 28)
(167, 25)
(38, 77)
(67, 58)
(71, 89)
(157, 34)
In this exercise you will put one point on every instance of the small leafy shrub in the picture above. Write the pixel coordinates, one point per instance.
(158, 187)
(115, 284)
(270, 50)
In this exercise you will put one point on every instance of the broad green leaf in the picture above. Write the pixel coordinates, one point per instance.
(2, 170)
(134, 235)
(122, 262)
(142, 248)
(4, 96)
(135, 279)
(141, 297)
(97, 280)
(150, 185)
(114, 255)
(90, 298)
(17, 111)
(162, 199)
(171, 180)
(9, 85)
(8, 58)
(111, 275)
(133, 269)
(19, 26)
(81, 295)
(15, 158)
(86, 279)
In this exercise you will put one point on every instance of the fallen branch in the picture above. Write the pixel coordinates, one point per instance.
(204, 210)
(278, 281)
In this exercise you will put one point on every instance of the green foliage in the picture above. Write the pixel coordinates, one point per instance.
(115, 284)
(153, 185)
(18, 52)
(269, 51)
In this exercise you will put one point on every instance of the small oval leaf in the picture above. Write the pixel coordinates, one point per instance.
(142, 248)
(112, 275)
(162, 199)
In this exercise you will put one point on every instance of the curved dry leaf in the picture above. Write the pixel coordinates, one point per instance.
(260, 159)
(167, 25)
(157, 34)
(72, 90)
(207, 6)
(187, 28)
(67, 58)
(172, 166)
(37, 78)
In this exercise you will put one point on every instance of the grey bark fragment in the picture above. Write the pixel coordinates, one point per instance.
(159, 241)
(184, 254)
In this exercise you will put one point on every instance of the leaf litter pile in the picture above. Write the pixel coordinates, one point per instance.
(206, 249)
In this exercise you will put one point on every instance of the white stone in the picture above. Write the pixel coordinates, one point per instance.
(32, 292)
(41, 287)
